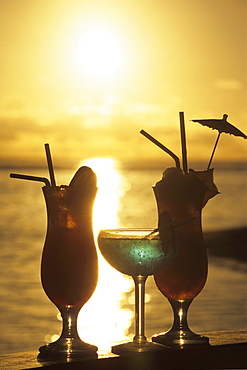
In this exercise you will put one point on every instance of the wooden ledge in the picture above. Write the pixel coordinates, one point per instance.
(227, 351)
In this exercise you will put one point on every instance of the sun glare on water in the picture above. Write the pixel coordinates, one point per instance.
(102, 320)
(112, 185)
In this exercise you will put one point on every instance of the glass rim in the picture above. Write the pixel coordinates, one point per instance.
(128, 232)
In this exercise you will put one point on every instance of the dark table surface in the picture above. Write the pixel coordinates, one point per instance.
(227, 350)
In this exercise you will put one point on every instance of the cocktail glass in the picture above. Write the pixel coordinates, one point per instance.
(69, 267)
(138, 253)
(182, 196)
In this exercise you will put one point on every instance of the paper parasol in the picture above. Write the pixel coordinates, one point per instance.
(222, 126)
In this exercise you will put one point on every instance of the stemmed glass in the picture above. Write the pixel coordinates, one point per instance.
(180, 283)
(182, 196)
(69, 267)
(138, 253)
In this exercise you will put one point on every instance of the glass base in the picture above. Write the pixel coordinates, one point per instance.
(181, 340)
(68, 348)
(129, 348)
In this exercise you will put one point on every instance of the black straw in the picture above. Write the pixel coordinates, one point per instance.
(50, 165)
(161, 146)
(29, 177)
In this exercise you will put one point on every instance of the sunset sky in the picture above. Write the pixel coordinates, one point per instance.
(87, 76)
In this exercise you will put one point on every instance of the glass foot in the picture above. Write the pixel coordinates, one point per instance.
(181, 339)
(129, 348)
(68, 348)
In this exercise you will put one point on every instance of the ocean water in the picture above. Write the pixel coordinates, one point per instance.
(125, 198)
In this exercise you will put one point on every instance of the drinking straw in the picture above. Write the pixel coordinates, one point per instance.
(163, 147)
(50, 165)
(28, 177)
(171, 223)
(185, 222)
(183, 141)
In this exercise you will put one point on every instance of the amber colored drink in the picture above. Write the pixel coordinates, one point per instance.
(69, 267)
(183, 196)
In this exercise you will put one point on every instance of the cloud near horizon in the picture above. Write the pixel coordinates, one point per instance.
(73, 138)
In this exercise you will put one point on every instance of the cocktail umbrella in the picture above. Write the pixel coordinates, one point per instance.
(222, 126)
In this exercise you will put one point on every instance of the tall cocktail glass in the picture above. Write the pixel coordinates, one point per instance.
(182, 196)
(69, 267)
(138, 253)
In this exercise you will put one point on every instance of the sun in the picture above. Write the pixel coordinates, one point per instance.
(98, 52)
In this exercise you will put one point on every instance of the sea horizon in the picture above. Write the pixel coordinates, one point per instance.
(144, 164)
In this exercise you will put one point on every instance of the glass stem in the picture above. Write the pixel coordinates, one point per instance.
(69, 316)
(180, 310)
(139, 308)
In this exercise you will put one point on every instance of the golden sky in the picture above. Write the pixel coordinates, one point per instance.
(87, 76)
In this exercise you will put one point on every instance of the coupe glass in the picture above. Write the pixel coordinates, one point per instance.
(138, 253)
(182, 196)
(69, 267)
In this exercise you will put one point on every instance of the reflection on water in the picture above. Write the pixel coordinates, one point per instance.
(103, 319)
(112, 185)
(110, 323)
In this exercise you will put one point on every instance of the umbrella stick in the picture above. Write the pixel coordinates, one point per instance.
(215, 145)
(183, 141)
